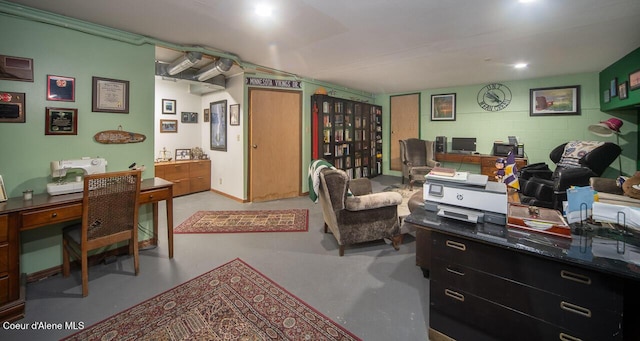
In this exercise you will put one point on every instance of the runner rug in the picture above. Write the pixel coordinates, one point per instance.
(293, 220)
(231, 302)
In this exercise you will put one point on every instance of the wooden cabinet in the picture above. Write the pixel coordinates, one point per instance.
(479, 291)
(347, 134)
(187, 176)
(4, 259)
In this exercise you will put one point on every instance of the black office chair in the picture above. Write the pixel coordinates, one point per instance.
(539, 186)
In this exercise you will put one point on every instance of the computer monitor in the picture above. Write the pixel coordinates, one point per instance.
(463, 144)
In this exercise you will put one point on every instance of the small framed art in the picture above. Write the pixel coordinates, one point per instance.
(183, 154)
(218, 124)
(169, 106)
(12, 107)
(110, 95)
(189, 117)
(234, 114)
(16, 68)
(443, 107)
(206, 115)
(168, 126)
(622, 90)
(634, 80)
(3, 191)
(61, 121)
(555, 101)
(613, 87)
(61, 88)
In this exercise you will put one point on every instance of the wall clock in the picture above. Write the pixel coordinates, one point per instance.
(494, 97)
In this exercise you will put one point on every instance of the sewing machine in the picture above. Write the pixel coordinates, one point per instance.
(59, 170)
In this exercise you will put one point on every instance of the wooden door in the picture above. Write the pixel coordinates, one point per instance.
(405, 123)
(275, 144)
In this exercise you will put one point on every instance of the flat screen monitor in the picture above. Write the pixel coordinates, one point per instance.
(463, 144)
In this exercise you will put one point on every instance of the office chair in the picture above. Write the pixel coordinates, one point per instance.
(109, 215)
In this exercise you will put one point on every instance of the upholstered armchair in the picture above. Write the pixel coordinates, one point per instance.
(418, 158)
(359, 216)
(576, 162)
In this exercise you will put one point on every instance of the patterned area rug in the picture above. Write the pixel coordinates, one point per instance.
(403, 209)
(232, 302)
(293, 220)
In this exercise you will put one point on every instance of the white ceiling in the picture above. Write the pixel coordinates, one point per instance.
(386, 46)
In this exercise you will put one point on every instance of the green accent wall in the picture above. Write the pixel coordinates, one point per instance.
(619, 73)
(540, 134)
(25, 151)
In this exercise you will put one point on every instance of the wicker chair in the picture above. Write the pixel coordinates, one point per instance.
(109, 215)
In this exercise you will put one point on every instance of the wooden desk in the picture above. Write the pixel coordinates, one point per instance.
(18, 215)
(487, 162)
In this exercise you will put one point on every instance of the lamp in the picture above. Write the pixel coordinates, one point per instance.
(217, 67)
(184, 62)
(606, 129)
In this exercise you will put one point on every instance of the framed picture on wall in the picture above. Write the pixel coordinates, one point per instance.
(555, 101)
(3, 191)
(206, 115)
(110, 95)
(218, 133)
(12, 107)
(634, 80)
(622, 90)
(613, 87)
(169, 106)
(234, 114)
(16, 68)
(61, 88)
(61, 121)
(189, 117)
(443, 107)
(168, 126)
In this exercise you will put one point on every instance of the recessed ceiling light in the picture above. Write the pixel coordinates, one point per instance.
(521, 65)
(264, 10)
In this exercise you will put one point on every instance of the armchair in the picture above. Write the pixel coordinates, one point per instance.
(418, 158)
(576, 162)
(361, 217)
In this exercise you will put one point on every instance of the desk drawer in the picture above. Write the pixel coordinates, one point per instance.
(154, 196)
(4, 289)
(200, 168)
(575, 283)
(199, 184)
(4, 228)
(34, 219)
(4, 259)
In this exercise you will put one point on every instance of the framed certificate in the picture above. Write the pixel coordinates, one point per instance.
(61, 121)
(110, 95)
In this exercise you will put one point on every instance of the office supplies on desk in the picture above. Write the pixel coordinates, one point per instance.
(59, 170)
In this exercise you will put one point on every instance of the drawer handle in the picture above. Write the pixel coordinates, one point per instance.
(575, 277)
(459, 273)
(456, 245)
(54, 214)
(150, 196)
(576, 309)
(566, 337)
(454, 294)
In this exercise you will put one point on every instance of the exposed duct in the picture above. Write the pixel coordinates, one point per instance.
(186, 61)
(212, 84)
(217, 67)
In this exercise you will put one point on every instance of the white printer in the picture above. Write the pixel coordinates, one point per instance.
(468, 197)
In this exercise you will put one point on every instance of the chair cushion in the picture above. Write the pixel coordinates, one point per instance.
(371, 201)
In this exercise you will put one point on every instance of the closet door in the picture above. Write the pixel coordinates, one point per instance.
(405, 123)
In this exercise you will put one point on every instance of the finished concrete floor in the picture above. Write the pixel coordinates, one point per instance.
(375, 292)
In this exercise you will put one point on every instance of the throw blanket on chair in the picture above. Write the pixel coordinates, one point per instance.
(575, 150)
(314, 177)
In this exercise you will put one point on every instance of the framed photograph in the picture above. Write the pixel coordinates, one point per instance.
(622, 90)
(206, 115)
(605, 96)
(169, 106)
(168, 126)
(234, 114)
(16, 68)
(61, 121)
(183, 154)
(561, 100)
(613, 88)
(634, 80)
(443, 107)
(218, 125)
(189, 117)
(110, 95)
(12, 109)
(61, 88)
(3, 191)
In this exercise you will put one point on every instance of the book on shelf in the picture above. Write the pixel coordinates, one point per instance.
(443, 171)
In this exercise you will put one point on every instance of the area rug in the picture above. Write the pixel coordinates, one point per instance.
(403, 209)
(231, 302)
(292, 220)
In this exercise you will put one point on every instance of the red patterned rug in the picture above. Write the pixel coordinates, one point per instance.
(231, 302)
(293, 220)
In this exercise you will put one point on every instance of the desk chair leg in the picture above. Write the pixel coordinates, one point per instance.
(85, 273)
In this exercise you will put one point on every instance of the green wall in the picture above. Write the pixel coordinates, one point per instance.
(25, 151)
(619, 71)
(540, 134)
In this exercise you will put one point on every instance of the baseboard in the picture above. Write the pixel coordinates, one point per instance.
(242, 201)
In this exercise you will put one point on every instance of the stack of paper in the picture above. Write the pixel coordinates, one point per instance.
(623, 215)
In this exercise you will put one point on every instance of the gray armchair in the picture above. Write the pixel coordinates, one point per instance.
(418, 158)
(361, 217)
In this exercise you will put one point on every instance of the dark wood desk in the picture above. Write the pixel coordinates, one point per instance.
(487, 162)
(491, 282)
(18, 215)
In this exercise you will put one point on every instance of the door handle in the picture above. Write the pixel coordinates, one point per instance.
(255, 146)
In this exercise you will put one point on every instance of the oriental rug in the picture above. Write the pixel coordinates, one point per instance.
(231, 302)
(292, 220)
